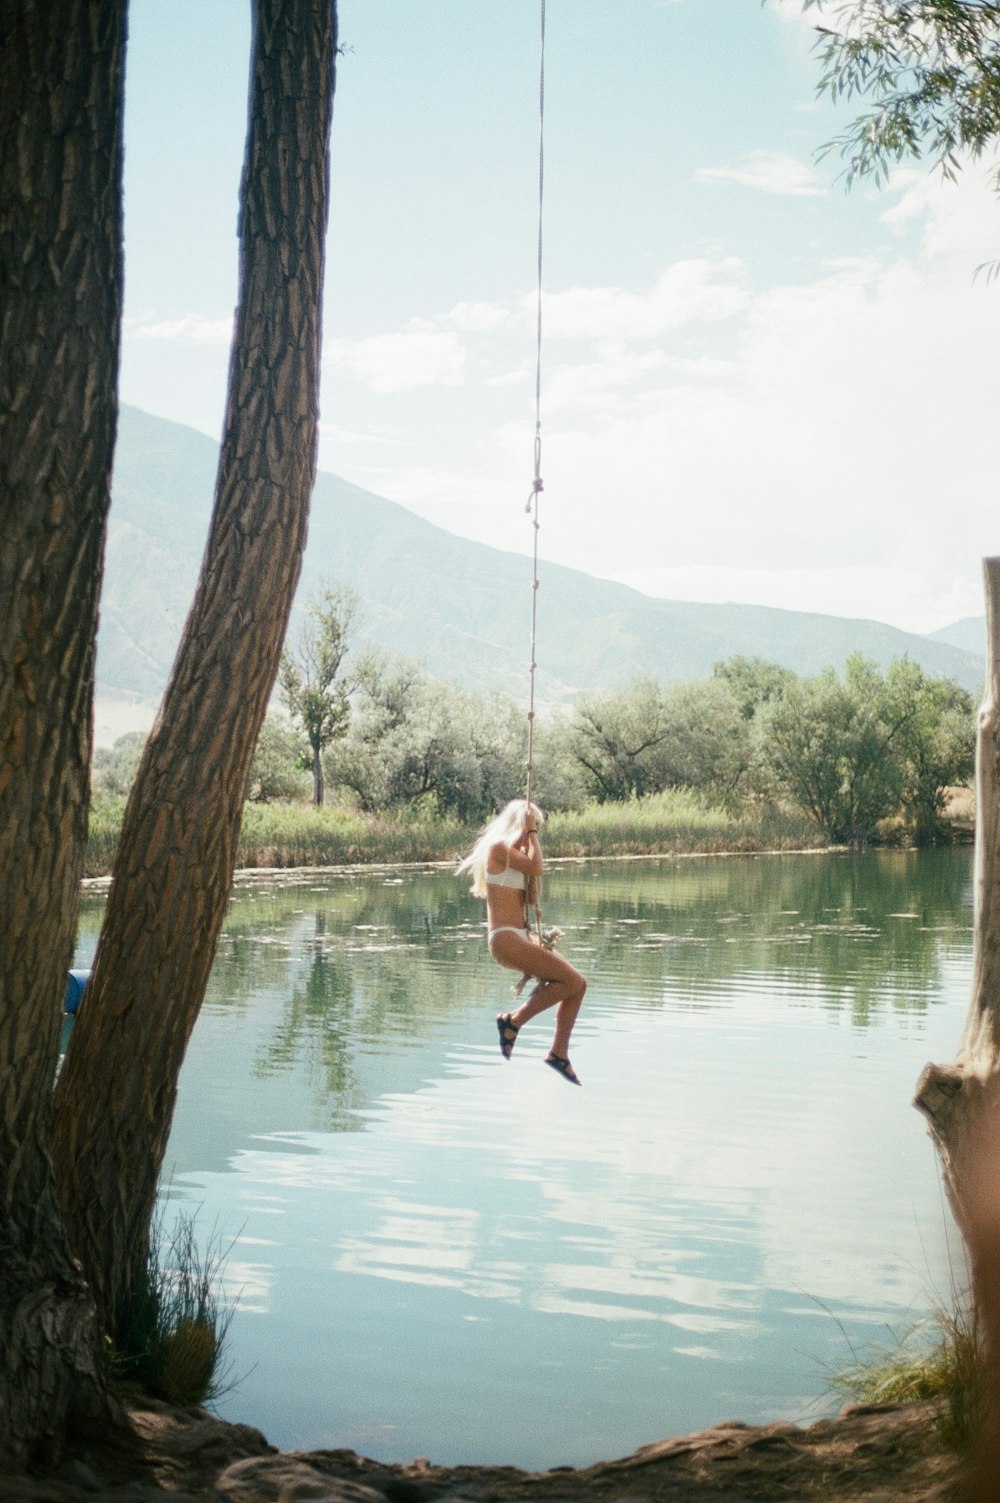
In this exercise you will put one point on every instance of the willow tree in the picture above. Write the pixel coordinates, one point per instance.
(173, 871)
(61, 69)
(314, 691)
(930, 73)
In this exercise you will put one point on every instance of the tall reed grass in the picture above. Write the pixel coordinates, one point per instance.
(103, 830)
(675, 823)
(290, 835)
(178, 1318)
(941, 1360)
(297, 835)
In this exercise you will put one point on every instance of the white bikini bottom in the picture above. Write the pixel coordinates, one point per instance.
(504, 929)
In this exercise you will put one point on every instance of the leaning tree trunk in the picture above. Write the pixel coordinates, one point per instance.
(961, 1100)
(60, 298)
(174, 868)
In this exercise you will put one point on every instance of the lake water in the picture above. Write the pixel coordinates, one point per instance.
(439, 1253)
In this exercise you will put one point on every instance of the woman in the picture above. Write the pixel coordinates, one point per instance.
(506, 868)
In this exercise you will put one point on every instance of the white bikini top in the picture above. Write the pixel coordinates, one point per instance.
(509, 878)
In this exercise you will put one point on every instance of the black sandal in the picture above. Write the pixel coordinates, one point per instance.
(564, 1068)
(508, 1032)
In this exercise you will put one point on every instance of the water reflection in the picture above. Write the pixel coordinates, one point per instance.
(428, 1232)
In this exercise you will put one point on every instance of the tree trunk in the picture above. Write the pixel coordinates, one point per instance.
(60, 271)
(317, 777)
(961, 1100)
(173, 871)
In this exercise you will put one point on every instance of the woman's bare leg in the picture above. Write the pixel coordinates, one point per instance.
(565, 1000)
(560, 986)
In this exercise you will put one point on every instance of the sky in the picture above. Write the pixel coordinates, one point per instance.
(757, 385)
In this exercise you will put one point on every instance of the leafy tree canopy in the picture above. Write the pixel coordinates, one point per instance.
(931, 69)
(114, 767)
(311, 681)
(416, 743)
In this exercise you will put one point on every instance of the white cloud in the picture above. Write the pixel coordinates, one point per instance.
(611, 379)
(792, 12)
(685, 292)
(960, 225)
(479, 317)
(419, 355)
(841, 459)
(769, 172)
(826, 444)
(192, 328)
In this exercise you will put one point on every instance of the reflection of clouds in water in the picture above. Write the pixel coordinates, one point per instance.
(769, 1198)
(569, 1289)
(620, 1278)
(246, 1285)
(743, 1147)
(635, 1263)
(429, 1244)
(779, 1191)
(795, 1166)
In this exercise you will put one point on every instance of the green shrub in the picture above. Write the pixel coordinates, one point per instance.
(103, 830)
(114, 767)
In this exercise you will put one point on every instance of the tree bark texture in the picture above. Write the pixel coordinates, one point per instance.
(961, 1100)
(60, 297)
(173, 872)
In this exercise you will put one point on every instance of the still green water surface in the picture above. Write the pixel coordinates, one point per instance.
(438, 1253)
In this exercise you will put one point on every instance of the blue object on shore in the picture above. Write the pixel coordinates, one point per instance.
(75, 985)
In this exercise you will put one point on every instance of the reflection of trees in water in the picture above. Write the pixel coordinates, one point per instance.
(315, 1032)
(424, 902)
(357, 970)
(92, 905)
(831, 924)
(351, 969)
(377, 921)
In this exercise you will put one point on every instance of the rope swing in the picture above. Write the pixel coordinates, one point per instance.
(549, 937)
(537, 487)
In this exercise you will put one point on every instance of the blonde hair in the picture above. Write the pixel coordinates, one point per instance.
(504, 829)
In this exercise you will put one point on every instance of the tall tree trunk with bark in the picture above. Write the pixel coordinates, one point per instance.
(60, 299)
(174, 867)
(961, 1100)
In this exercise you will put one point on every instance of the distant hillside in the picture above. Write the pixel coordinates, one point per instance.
(458, 606)
(969, 634)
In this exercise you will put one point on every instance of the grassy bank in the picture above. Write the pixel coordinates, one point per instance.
(941, 1360)
(284, 835)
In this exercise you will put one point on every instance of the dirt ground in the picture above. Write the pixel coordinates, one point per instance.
(876, 1454)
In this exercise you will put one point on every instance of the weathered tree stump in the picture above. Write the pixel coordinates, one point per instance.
(961, 1100)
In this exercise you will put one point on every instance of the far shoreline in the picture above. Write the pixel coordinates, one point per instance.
(248, 874)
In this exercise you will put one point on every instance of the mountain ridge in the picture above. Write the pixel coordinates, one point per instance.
(462, 608)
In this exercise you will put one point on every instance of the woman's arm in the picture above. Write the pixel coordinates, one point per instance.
(526, 853)
(527, 860)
